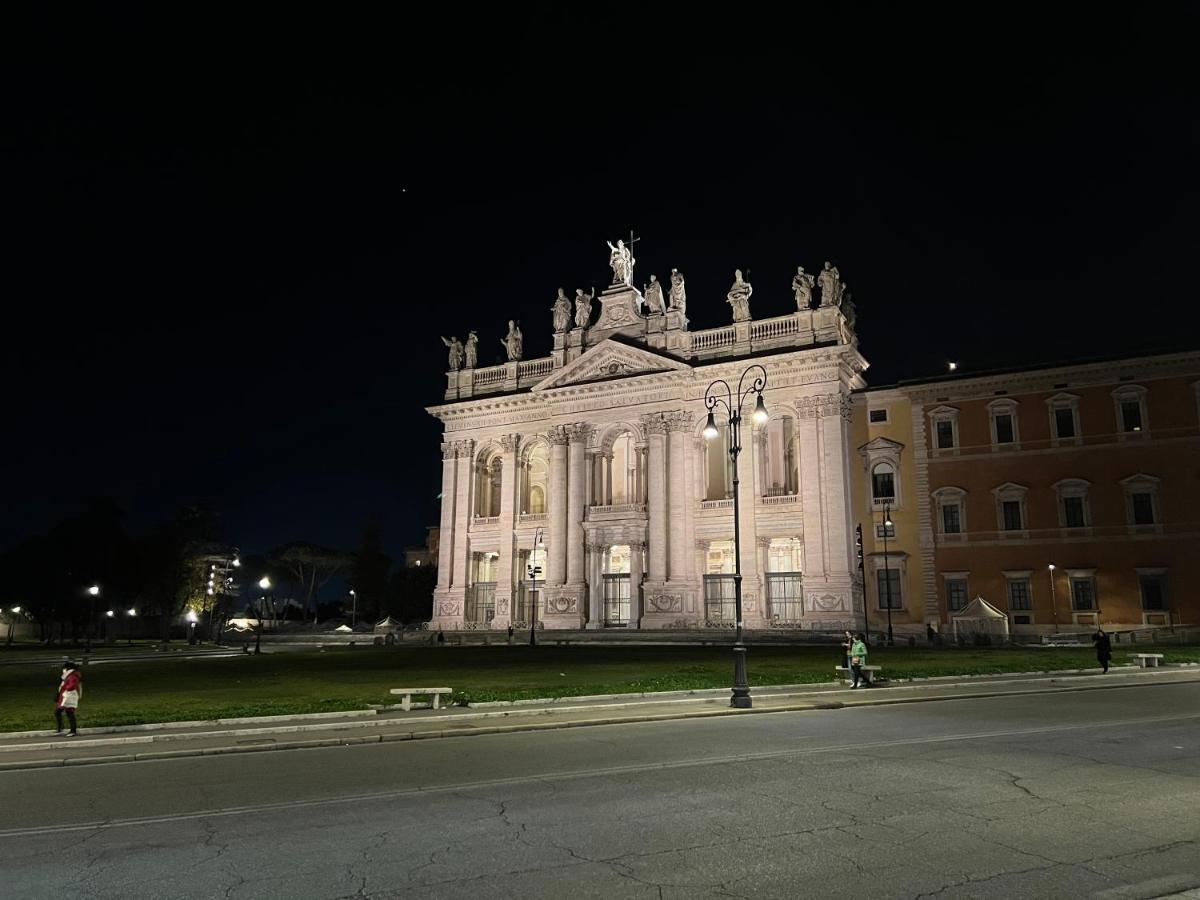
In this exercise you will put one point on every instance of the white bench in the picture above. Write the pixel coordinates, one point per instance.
(1148, 660)
(435, 692)
(868, 672)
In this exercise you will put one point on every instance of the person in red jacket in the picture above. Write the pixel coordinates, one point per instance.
(70, 689)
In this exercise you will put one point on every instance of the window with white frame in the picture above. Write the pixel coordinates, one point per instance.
(956, 590)
(943, 421)
(1141, 500)
(951, 510)
(1064, 417)
(1017, 587)
(1129, 404)
(779, 461)
(881, 462)
(1152, 585)
(784, 581)
(885, 530)
(1074, 508)
(1011, 514)
(887, 582)
(883, 482)
(1083, 589)
(1003, 415)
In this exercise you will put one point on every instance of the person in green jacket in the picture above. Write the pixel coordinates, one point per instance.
(858, 659)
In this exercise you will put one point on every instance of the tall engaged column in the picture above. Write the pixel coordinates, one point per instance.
(556, 534)
(464, 469)
(812, 473)
(637, 550)
(446, 534)
(576, 501)
(508, 521)
(678, 567)
(656, 483)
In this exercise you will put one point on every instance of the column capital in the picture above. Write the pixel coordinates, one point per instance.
(764, 541)
(820, 406)
(557, 435)
(449, 450)
(654, 423)
(679, 420)
(510, 442)
(465, 448)
(702, 544)
(578, 432)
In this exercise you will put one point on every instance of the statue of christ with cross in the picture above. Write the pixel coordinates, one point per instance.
(621, 260)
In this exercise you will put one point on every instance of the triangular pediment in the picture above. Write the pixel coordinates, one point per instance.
(609, 360)
(881, 445)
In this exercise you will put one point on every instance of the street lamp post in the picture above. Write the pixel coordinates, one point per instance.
(534, 571)
(1053, 600)
(265, 584)
(354, 608)
(887, 573)
(93, 593)
(740, 697)
(12, 621)
(129, 634)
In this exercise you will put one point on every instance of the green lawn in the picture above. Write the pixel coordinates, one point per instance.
(178, 688)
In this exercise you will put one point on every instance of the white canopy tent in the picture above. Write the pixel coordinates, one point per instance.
(980, 618)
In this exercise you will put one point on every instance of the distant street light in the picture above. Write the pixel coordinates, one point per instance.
(740, 697)
(265, 584)
(354, 612)
(129, 634)
(1053, 601)
(539, 543)
(15, 611)
(887, 574)
(93, 592)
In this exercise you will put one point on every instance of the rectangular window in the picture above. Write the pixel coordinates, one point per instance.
(1143, 509)
(1018, 596)
(956, 594)
(785, 598)
(888, 584)
(1064, 423)
(720, 607)
(1004, 429)
(1131, 415)
(1073, 512)
(945, 435)
(1154, 597)
(888, 531)
(1012, 515)
(951, 520)
(1083, 594)
(878, 415)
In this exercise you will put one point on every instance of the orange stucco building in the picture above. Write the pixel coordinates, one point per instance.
(1064, 496)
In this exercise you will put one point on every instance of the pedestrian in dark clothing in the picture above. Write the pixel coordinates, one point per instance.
(1103, 647)
(844, 659)
(930, 633)
(441, 638)
(510, 634)
(70, 690)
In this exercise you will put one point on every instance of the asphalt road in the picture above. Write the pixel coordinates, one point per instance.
(1054, 795)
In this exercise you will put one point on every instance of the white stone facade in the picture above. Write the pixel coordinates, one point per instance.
(600, 447)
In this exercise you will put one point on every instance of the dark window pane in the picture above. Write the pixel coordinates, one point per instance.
(1081, 593)
(884, 584)
(1004, 429)
(1073, 511)
(1064, 423)
(956, 594)
(1018, 595)
(1143, 509)
(1012, 515)
(879, 415)
(1152, 593)
(1131, 415)
(951, 520)
(882, 485)
(945, 435)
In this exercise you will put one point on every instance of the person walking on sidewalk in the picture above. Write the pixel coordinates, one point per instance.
(1103, 647)
(858, 659)
(70, 689)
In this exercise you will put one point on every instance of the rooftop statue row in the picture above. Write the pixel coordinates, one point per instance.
(468, 356)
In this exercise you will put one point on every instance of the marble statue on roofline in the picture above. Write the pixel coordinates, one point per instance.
(472, 350)
(830, 281)
(802, 287)
(739, 297)
(456, 352)
(514, 342)
(678, 292)
(562, 312)
(621, 261)
(654, 297)
(583, 307)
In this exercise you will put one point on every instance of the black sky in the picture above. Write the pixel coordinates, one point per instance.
(236, 240)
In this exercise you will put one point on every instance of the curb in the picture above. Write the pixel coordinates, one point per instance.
(438, 733)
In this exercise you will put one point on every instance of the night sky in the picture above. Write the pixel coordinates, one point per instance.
(236, 240)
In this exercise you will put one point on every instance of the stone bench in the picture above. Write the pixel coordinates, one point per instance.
(868, 672)
(407, 693)
(1148, 660)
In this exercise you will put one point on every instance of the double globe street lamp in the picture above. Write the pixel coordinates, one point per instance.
(740, 697)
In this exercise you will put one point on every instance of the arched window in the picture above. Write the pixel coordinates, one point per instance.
(779, 457)
(883, 482)
(489, 472)
(535, 472)
(719, 468)
(623, 471)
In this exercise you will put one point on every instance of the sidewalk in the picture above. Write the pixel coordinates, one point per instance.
(32, 750)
